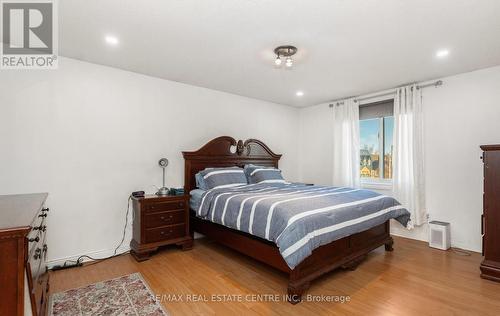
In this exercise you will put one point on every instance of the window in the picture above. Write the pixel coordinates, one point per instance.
(376, 127)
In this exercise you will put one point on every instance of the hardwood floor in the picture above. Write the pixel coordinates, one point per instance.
(412, 280)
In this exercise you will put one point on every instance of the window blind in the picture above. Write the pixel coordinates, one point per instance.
(376, 109)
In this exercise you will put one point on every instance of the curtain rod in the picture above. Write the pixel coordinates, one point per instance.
(387, 92)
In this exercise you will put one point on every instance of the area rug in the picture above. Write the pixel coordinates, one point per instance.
(126, 295)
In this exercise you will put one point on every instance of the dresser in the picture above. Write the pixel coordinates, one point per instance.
(490, 220)
(24, 280)
(159, 221)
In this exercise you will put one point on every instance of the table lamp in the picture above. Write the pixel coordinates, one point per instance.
(163, 163)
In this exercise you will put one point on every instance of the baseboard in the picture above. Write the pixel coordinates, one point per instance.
(454, 245)
(98, 254)
(465, 247)
(95, 254)
(408, 237)
(108, 252)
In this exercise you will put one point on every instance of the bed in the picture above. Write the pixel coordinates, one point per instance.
(266, 243)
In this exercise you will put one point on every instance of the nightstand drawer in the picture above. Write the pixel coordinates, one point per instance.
(165, 218)
(165, 206)
(166, 232)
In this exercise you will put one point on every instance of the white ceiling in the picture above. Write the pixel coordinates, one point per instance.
(346, 47)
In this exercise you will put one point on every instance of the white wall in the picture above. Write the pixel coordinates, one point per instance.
(90, 135)
(459, 116)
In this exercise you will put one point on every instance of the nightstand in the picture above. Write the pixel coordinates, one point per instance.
(159, 221)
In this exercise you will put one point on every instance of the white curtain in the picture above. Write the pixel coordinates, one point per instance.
(346, 143)
(408, 155)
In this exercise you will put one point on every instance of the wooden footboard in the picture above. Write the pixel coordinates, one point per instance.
(344, 253)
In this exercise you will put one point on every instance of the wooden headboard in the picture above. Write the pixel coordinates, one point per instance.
(225, 151)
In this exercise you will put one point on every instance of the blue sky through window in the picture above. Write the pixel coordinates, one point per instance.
(373, 161)
(368, 131)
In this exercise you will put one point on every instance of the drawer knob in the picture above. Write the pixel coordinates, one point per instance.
(163, 218)
(38, 253)
(45, 209)
(43, 215)
(36, 239)
(42, 228)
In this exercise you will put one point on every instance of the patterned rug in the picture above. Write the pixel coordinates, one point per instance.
(127, 295)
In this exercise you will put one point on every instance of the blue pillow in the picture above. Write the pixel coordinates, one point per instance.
(215, 178)
(200, 182)
(261, 174)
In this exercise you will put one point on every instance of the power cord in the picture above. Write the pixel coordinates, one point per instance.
(79, 261)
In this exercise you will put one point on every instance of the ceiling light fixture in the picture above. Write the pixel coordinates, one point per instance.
(111, 40)
(286, 51)
(299, 93)
(442, 53)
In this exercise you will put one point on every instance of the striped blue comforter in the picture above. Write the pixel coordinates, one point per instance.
(299, 218)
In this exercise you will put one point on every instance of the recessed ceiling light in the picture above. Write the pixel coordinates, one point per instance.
(111, 40)
(299, 93)
(442, 53)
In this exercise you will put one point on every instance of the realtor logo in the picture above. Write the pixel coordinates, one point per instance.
(29, 34)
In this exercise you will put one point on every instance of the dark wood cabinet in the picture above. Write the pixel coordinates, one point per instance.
(159, 221)
(24, 280)
(490, 220)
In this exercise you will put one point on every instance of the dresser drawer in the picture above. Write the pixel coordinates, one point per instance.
(166, 232)
(39, 280)
(37, 225)
(35, 262)
(41, 293)
(34, 242)
(37, 254)
(36, 236)
(165, 206)
(165, 218)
